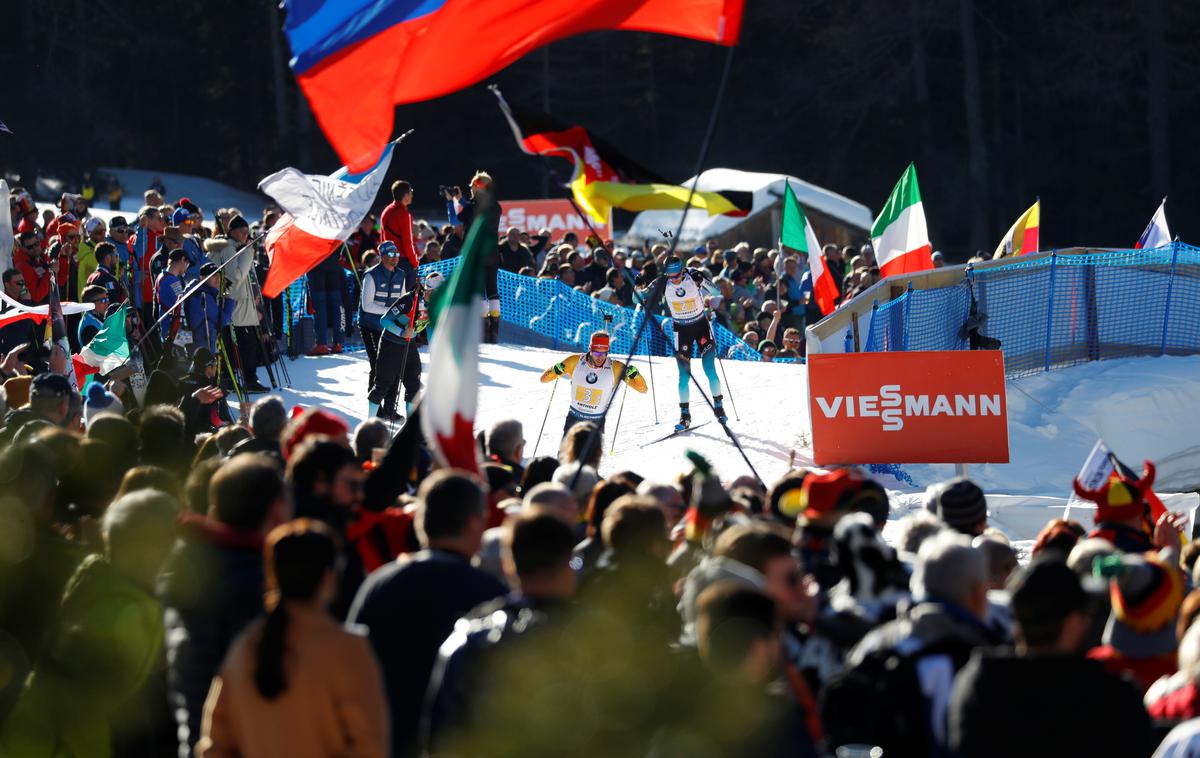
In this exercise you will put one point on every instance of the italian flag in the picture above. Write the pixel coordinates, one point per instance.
(1022, 237)
(798, 235)
(107, 351)
(448, 408)
(900, 236)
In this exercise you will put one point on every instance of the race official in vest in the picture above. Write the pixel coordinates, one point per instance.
(593, 376)
(382, 288)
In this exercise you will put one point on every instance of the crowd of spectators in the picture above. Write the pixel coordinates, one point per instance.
(287, 586)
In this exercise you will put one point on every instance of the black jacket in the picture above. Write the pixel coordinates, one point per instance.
(1051, 705)
(410, 606)
(211, 586)
(458, 678)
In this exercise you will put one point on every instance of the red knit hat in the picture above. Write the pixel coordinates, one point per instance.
(822, 494)
(309, 422)
(601, 342)
(1121, 497)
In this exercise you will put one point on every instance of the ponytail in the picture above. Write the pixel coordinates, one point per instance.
(268, 673)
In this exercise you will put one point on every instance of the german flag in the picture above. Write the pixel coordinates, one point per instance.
(603, 178)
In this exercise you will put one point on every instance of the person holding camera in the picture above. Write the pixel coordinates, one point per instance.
(40, 270)
(463, 211)
(396, 226)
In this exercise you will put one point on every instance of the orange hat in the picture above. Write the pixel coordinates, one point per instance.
(601, 342)
(66, 226)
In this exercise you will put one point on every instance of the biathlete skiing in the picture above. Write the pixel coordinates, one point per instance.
(593, 376)
(688, 292)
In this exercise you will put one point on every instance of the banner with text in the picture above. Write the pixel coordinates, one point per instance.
(559, 216)
(908, 407)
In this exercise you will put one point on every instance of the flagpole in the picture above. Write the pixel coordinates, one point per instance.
(646, 317)
(191, 291)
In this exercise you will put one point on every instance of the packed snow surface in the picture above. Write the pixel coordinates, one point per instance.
(1141, 407)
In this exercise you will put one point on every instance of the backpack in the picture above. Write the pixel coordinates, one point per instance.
(878, 702)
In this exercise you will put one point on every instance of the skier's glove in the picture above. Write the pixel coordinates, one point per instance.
(560, 369)
(631, 372)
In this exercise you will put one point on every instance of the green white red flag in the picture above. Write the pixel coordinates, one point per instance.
(448, 408)
(900, 236)
(798, 235)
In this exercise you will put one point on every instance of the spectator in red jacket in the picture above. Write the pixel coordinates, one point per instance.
(39, 269)
(396, 225)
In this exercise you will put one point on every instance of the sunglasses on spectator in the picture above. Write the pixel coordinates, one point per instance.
(75, 237)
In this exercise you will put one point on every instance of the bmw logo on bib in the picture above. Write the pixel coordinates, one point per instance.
(591, 378)
(680, 292)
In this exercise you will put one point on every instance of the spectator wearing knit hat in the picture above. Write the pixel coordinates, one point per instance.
(999, 689)
(960, 504)
(1140, 640)
(821, 502)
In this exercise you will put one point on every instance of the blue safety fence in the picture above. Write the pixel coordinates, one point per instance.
(567, 316)
(1057, 311)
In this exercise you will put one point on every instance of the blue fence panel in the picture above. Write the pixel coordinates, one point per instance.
(550, 308)
(1058, 311)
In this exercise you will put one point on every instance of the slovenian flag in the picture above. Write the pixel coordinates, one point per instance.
(900, 236)
(357, 59)
(448, 408)
(1157, 234)
(320, 212)
(1022, 237)
(798, 235)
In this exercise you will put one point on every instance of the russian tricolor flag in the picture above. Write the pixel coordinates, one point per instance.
(320, 212)
(357, 59)
(1157, 234)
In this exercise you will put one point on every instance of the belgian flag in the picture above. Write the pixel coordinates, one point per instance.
(603, 178)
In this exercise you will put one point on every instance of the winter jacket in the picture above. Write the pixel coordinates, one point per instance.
(212, 588)
(380, 290)
(143, 244)
(221, 249)
(85, 263)
(1044, 705)
(456, 684)
(333, 705)
(202, 418)
(89, 325)
(207, 314)
(167, 291)
(38, 276)
(941, 637)
(409, 607)
(102, 277)
(103, 649)
(1145, 671)
(196, 255)
(395, 225)
(514, 260)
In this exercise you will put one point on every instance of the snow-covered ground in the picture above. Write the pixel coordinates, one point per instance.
(1142, 407)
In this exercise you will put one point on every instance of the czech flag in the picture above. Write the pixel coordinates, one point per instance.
(320, 212)
(603, 178)
(357, 59)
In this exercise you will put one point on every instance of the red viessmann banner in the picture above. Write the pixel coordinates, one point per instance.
(932, 407)
(559, 216)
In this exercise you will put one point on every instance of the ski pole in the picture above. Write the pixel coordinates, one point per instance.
(543, 429)
(728, 389)
(653, 398)
(620, 411)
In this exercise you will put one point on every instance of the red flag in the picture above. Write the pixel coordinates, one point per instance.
(356, 60)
